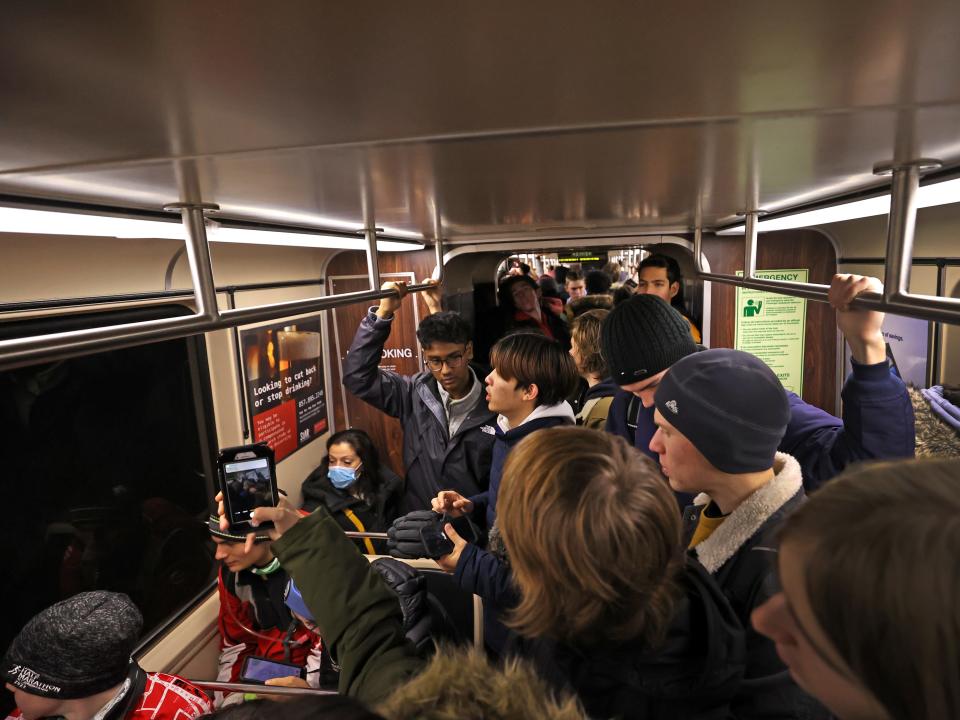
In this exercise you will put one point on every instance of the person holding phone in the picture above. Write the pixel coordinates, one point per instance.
(256, 627)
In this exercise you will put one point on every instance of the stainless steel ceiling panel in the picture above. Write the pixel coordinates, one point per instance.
(508, 116)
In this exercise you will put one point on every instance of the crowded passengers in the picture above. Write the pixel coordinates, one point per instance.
(705, 545)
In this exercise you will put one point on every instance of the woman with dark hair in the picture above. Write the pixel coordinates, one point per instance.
(355, 488)
(868, 615)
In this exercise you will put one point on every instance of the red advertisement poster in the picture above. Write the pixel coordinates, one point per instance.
(285, 389)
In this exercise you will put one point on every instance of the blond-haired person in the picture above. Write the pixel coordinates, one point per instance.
(593, 403)
(610, 607)
(868, 616)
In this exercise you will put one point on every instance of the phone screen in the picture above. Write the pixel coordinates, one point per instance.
(250, 485)
(260, 669)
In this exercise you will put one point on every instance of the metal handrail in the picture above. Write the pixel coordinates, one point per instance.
(257, 688)
(896, 297)
(17, 352)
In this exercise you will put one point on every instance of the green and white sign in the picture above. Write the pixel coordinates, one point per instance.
(773, 327)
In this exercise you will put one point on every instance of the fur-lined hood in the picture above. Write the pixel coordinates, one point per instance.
(744, 522)
(934, 437)
(461, 683)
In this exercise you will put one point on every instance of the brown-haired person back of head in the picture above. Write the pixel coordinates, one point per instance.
(610, 607)
(868, 617)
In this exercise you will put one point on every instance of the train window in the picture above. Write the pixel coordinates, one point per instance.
(106, 475)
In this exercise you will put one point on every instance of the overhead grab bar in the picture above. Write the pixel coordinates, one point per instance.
(896, 297)
(18, 352)
(258, 689)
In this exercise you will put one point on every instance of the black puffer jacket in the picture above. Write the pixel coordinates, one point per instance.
(373, 513)
(695, 673)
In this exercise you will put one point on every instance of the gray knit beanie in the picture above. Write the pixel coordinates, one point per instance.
(729, 405)
(642, 337)
(76, 648)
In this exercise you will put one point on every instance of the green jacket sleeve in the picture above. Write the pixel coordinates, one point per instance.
(358, 616)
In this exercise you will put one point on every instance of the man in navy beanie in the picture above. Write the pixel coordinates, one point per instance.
(643, 337)
(74, 660)
(720, 415)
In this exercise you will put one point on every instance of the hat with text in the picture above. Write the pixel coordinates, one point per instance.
(730, 405)
(76, 648)
(643, 336)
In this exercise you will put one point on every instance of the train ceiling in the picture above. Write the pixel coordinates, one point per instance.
(499, 117)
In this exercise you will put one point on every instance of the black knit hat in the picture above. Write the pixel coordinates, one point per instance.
(76, 648)
(730, 405)
(642, 337)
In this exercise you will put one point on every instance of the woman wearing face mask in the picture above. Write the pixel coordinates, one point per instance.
(354, 487)
(868, 616)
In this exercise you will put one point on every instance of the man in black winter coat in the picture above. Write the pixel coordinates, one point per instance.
(448, 430)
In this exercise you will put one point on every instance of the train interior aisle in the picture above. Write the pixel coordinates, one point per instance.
(187, 190)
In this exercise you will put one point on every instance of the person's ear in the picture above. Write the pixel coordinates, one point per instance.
(468, 351)
(530, 392)
(674, 289)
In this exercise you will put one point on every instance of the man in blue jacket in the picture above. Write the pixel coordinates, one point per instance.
(643, 337)
(448, 430)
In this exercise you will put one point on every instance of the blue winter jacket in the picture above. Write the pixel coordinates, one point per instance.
(877, 424)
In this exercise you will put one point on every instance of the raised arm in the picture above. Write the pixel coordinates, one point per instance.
(362, 376)
(877, 414)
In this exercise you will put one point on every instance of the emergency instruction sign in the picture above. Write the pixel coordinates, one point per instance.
(773, 327)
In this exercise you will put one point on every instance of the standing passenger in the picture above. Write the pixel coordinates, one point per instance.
(721, 415)
(644, 336)
(531, 376)
(660, 275)
(524, 309)
(447, 427)
(593, 404)
(75, 660)
(867, 618)
(610, 607)
(575, 285)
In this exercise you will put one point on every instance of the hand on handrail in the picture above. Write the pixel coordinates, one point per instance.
(389, 305)
(861, 328)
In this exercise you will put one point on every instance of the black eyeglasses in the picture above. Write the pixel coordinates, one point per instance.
(452, 361)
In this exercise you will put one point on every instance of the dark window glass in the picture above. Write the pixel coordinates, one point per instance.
(105, 481)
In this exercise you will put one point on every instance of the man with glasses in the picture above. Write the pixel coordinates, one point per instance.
(448, 430)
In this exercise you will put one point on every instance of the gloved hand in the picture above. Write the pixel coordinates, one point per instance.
(418, 534)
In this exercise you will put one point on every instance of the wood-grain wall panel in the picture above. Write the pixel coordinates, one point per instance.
(348, 411)
(789, 249)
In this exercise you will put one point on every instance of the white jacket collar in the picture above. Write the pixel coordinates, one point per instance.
(744, 522)
(561, 409)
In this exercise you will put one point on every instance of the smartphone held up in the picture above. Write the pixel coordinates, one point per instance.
(248, 480)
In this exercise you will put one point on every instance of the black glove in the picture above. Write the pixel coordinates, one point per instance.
(419, 534)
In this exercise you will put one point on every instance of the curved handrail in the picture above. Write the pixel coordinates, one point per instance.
(17, 352)
(896, 297)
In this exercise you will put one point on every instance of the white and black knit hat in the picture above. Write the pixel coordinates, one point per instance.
(76, 648)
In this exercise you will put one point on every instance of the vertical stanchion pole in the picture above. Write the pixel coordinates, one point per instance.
(901, 223)
(198, 256)
(373, 264)
(750, 244)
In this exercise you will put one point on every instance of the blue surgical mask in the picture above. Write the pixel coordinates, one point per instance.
(342, 477)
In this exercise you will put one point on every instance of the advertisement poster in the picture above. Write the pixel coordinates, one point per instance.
(907, 347)
(285, 389)
(773, 327)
